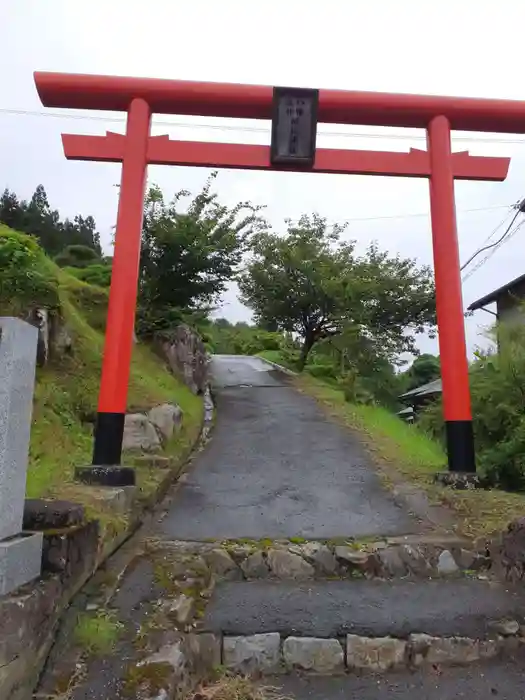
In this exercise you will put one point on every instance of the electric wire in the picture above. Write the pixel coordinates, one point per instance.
(368, 135)
(248, 129)
(411, 216)
(492, 245)
(487, 257)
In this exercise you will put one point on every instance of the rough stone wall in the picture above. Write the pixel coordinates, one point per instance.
(53, 336)
(28, 618)
(185, 353)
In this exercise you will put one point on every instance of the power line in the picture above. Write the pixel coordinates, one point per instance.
(496, 229)
(492, 245)
(410, 216)
(498, 245)
(248, 129)
(262, 130)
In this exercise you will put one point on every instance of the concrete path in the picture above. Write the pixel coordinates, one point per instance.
(278, 467)
(440, 607)
(499, 680)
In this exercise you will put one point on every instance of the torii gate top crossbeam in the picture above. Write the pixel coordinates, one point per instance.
(114, 93)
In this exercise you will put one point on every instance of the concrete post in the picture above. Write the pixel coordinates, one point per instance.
(20, 555)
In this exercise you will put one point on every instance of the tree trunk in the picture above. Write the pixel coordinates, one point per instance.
(308, 344)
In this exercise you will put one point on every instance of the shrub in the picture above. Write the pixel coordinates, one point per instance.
(269, 341)
(26, 276)
(498, 406)
(504, 463)
(354, 391)
(497, 385)
(290, 356)
(98, 274)
(77, 256)
(322, 370)
(430, 421)
(240, 338)
(90, 299)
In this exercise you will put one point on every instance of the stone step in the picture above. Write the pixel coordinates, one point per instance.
(333, 627)
(373, 608)
(270, 653)
(502, 679)
(397, 557)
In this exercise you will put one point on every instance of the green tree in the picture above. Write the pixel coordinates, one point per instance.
(240, 338)
(222, 323)
(11, 211)
(313, 284)
(189, 255)
(38, 219)
(425, 368)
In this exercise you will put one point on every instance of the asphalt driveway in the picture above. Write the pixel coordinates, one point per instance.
(277, 466)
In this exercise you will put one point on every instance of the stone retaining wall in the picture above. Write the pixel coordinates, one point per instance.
(284, 559)
(29, 617)
(186, 355)
(73, 551)
(270, 653)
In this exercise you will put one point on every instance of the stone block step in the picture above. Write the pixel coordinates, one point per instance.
(373, 608)
(501, 679)
(272, 654)
(396, 557)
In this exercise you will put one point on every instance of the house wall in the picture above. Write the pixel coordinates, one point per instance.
(511, 306)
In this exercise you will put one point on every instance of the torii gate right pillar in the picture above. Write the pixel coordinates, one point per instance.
(449, 304)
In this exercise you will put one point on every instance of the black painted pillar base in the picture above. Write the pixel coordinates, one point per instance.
(107, 453)
(460, 446)
(109, 432)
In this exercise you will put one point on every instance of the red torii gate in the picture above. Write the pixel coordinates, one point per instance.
(140, 97)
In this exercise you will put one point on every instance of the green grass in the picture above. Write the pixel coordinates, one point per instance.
(277, 357)
(66, 396)
(403, 452)
(413, 450)
(98, 633)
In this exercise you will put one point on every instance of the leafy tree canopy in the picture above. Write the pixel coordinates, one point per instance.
(312, 283)
(189, 255)
(425, 368)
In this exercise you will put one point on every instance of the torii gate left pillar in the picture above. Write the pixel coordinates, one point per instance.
(139, 97)
(118, 346)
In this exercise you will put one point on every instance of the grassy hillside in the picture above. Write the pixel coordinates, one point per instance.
(66, 390)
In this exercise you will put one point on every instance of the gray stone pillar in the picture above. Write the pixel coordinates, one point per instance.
(20, 555)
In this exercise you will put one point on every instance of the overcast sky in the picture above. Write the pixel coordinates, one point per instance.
(454, 47)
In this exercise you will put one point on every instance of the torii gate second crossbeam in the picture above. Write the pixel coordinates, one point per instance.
(137, 148)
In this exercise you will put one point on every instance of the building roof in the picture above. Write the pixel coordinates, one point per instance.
(424, 390)
(408, 411)
(496, 294)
